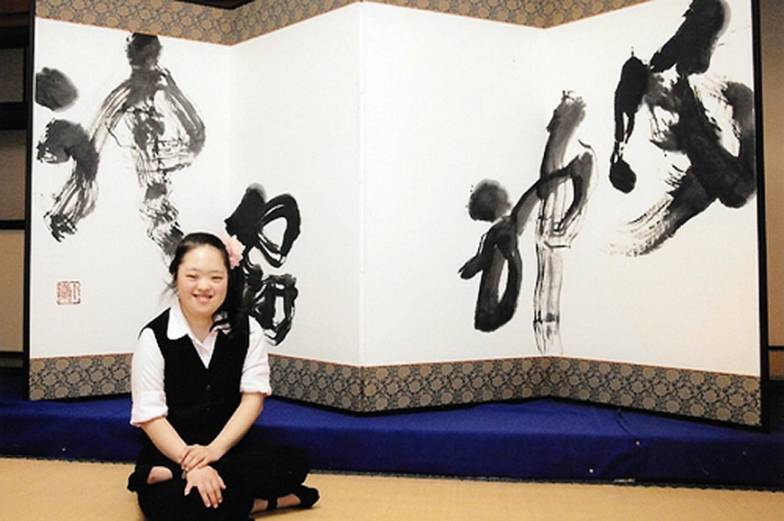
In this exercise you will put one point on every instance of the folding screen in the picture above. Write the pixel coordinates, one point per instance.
(144, 138)
(457, 210)
(645, 296)
(111, 193)
(295, 131)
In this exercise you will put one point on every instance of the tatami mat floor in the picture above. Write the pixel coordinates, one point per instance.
(42, 489)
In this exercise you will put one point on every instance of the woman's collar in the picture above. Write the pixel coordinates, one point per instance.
(178, 324)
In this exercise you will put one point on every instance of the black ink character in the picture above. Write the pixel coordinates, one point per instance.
(681, 124)
(262, 293)
(54, 90)
(556, 227)
(166, 134)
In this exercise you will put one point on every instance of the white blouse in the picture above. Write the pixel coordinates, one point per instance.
(147, 394)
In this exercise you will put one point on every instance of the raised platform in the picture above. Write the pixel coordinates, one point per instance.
(539, 439)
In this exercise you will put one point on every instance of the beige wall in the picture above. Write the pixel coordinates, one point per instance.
(772, 15)
(12, 284)
(11, 74)
(12, 201)
(12, 174)
(777, 365)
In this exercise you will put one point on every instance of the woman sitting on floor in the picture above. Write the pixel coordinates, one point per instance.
(199, 377)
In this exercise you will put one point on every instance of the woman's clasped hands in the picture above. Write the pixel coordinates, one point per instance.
(196, 456)
(194, 462)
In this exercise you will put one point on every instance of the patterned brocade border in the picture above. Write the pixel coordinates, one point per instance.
(699, 394)
(532, 13)
(383, 388)
(264, 16)
(160, 17)
(231, 26)
(79, 376)
(322, 383)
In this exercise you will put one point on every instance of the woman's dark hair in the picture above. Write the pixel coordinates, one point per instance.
(232, 312)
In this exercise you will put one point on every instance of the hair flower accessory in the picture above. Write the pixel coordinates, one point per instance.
(234, 248)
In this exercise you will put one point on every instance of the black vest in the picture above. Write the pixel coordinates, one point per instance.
(200, 400)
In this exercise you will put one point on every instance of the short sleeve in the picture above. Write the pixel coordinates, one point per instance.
(256, 371)
(148, 399)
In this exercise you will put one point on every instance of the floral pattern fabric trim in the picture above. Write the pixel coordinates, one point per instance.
(699, 394)
(79, 376)
(231, 26)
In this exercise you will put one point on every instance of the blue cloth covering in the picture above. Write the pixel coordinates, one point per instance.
(541, 439)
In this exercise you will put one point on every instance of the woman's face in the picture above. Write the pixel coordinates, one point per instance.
(201, 282)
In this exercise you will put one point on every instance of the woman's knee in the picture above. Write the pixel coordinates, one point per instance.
(296, 463)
